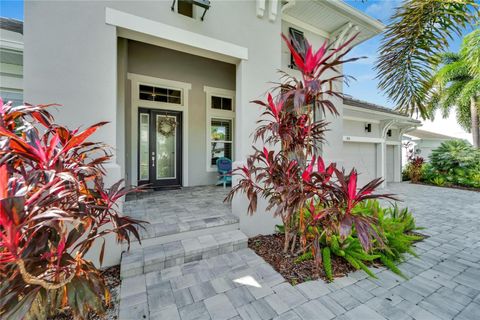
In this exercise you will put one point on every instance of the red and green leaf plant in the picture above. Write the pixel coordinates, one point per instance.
(53, 207)
(415, 168)
(312, 199)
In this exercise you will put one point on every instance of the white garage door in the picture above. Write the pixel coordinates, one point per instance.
(362, 156)
(390, 164)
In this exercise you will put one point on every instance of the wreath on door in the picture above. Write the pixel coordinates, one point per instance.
(166, 126)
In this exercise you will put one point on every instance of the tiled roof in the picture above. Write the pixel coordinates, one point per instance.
(371, 106)
(11, 25)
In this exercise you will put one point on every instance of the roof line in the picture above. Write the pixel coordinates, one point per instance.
(350, 101)
(10, 24)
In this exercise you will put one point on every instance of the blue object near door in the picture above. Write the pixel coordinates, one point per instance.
(224, 169)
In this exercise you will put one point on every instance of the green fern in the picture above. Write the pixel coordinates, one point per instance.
(304, 257)
(357, 264)
(327, 263)
(361, 255)
(391, 265)
(352, 261)
(366, 269)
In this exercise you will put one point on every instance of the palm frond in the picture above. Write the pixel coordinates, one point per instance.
(449, 98)
(448, 57)
(411, 44)
(471, 51)
(471, 89)
(454, 71)
(464, 117)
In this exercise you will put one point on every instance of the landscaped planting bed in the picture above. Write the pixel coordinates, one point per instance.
(112, 280)
(270, 248)
(330, 224)
(454, 164)
(54, 208)
(339, 255)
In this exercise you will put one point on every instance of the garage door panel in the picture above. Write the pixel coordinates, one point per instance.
(363, 157)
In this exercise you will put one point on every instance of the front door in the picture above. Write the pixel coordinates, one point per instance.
(160, 148)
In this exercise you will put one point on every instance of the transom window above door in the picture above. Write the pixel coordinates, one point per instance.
(159, 94)
(222, 103)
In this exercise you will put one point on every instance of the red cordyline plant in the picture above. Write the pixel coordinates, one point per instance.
(416, 164)
(295, 179)
(53, 206)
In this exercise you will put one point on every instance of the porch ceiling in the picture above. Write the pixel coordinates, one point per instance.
(331, 16)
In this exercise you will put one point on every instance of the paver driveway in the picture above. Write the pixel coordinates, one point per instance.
(444, 283)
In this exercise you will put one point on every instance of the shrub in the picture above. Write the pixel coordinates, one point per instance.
(455, 154)
(295, 179)
(53, 207)
(454, 162)
(438, 181)
(395, 228)
(415, 169)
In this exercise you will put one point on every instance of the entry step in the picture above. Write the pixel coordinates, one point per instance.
(156, 230)
(160, 256)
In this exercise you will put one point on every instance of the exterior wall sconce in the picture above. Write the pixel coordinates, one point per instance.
(205, 4)
(389, 132)
(368, 127)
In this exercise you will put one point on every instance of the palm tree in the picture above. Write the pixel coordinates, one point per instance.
(419, 31)
(456, 85)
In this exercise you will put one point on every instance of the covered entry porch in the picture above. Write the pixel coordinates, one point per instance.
(177, 96)
(177, 213)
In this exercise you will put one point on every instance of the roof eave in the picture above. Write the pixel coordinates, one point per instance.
(374, 24)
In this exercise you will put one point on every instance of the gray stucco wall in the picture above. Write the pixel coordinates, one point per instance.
(154, 61)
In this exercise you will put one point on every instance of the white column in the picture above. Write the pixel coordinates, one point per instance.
(397, 156)
(381, 162)
(241, 104)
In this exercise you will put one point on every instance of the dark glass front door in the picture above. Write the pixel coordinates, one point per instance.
(160, 148)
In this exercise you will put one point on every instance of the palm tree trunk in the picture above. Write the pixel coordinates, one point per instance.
(475, 123)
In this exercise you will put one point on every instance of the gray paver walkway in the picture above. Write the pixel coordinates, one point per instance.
(444, 282)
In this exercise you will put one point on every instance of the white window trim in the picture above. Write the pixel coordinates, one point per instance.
(136, 102)
(218, 114)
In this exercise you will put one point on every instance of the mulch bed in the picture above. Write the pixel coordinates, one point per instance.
(452, 186)
(112, 280)
(270, 248)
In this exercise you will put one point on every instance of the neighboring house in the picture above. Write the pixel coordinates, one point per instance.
(422, 142)
(11, 60)
(175, 83)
